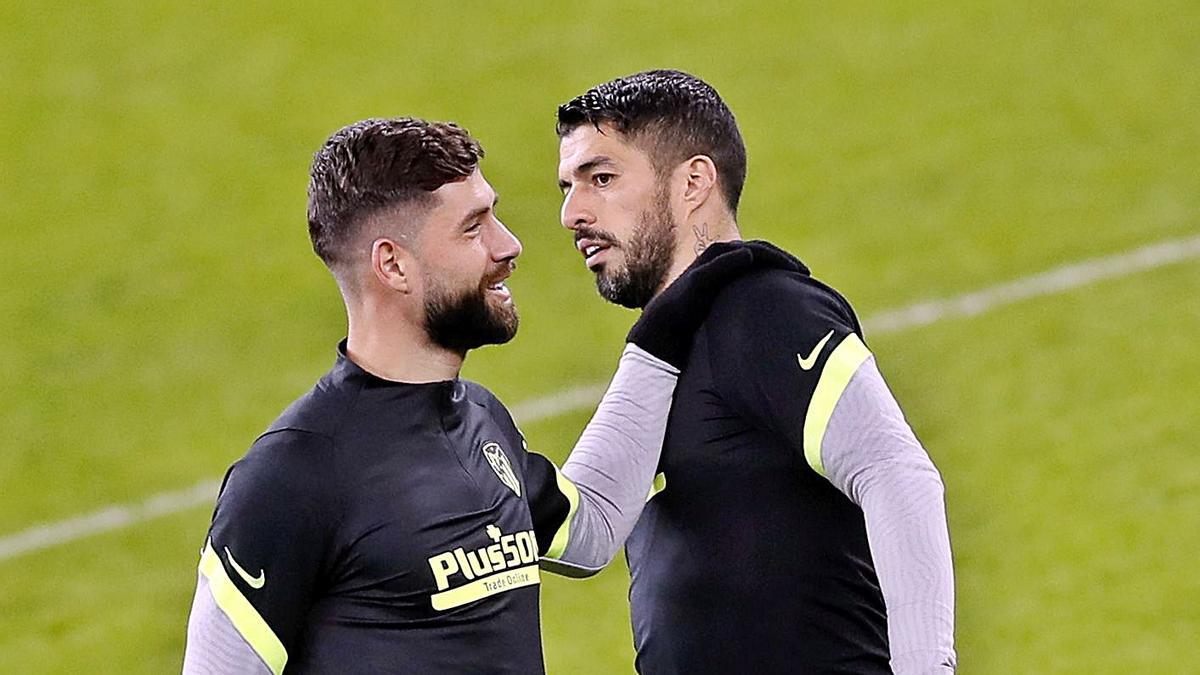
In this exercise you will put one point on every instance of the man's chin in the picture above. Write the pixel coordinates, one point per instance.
(509, 329)
(503, 312)
(472, 323)
(618, 293)
(503, 319)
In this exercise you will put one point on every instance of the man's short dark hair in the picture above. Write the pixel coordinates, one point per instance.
(379, 164)
(672, 116)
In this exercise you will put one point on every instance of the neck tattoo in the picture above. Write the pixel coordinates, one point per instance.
(702, 237)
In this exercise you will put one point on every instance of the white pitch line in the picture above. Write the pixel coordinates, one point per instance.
(107, 519)
(559, 403)
(1057, 280)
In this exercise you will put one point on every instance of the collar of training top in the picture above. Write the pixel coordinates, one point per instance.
(444, 392)
(766, 255)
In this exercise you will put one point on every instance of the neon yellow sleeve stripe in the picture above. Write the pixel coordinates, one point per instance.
(245, 618)
(558, 545)
(659, 484)
(840, 367)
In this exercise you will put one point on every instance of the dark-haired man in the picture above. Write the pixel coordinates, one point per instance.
(802, 526)
(391, 520)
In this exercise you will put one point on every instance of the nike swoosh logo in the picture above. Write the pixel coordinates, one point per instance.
(254, 582)
(806, 363)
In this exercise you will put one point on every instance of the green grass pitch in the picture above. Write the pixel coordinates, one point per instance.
(160, 303)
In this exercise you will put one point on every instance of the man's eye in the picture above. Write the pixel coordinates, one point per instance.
(602, 179)
(473, 228)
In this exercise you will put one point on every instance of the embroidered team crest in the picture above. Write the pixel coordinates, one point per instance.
(499, 462)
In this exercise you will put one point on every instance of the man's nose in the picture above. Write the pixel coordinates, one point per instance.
(506, 246)
(575, 212)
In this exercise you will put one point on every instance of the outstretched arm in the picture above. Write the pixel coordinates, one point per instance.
(607, 478)
(609, 473)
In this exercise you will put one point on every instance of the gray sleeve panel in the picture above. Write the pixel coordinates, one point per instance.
(214, 646)
(871, 454)
(614, 462)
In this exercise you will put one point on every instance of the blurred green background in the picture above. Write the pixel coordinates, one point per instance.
(160, 303)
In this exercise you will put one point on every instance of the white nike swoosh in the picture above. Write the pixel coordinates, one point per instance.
(254, 582)
(811, 360)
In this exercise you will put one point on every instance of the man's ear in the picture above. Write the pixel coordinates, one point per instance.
(392, 265)
(700, 181)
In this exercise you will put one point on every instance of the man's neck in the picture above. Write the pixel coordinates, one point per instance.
(400, 352)
(694, 238)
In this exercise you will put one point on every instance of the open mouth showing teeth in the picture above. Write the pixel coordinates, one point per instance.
(590, 250)
(499, 293)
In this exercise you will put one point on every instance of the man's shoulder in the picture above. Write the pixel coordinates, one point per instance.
(764, 298)
(302, 437)
(296, 454)
(480, 394)
(483, 397)
(320, 411)
(291, 466)
(293, 460)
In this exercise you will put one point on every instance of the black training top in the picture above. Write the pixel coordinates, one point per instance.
(381, 527)
(749, 561)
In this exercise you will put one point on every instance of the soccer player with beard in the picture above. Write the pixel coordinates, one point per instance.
(800, 526)
(391, 520)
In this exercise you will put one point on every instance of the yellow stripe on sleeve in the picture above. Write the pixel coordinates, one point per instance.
(558, 545)
(659, 484)
(241, 613)
(835, 376)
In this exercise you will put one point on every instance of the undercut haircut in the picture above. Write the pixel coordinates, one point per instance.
(376, 165)
(671, 116)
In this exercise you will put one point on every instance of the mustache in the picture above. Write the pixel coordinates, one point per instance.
(597, 234)
(500, 272)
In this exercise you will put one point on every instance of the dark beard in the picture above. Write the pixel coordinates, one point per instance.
(648, 256)
(465, 321)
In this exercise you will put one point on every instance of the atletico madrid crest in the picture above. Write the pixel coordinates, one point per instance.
(499, 463)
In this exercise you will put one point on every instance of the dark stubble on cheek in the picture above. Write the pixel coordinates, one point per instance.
(466, 320)
(647, 258)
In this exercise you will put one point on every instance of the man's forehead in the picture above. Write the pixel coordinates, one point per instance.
(473, 188)
(586, 143)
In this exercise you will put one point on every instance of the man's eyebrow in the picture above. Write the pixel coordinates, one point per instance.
(482, 210)
(590, 165)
